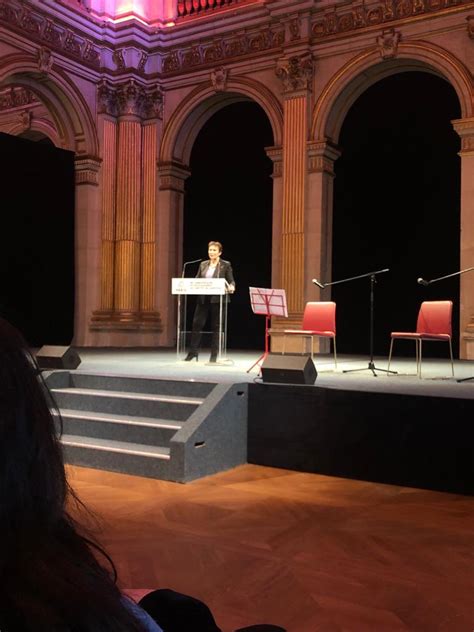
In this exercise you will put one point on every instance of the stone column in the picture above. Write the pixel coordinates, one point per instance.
(171, 179)
(465, 129)
(148, 311)
(276, 154)
(87, 250)
(128, 299)
(321, 158)
(296, 74)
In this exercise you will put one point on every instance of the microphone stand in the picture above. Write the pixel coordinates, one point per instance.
(447, 276)
(371, 366)
(184, 316)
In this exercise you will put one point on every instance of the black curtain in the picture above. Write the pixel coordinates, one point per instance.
(396, 206)
(37, 239)
(228, 198)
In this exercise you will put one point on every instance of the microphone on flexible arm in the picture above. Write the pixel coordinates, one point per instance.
(421, 281)
(318, 283)
(189, 263)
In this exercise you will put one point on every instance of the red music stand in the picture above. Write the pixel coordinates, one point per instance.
(268, 303)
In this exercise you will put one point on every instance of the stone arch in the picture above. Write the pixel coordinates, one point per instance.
(75, 129)
(187, 121)
(366, 69)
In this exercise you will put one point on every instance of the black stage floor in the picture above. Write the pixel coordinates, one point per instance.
(395, 429)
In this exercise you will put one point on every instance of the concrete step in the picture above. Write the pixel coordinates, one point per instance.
(123, 403)
(185, 388)
(117, 456)
(145, 430)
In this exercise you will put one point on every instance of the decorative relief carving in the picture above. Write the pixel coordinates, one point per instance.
(296, 73)
(332, 22)
(45, 60)
(276, 156)
(172, 176)
(219, 79)
(24, 119)
(465, 129)
(321, 157)
(46, 31)
(87, 170)
(142, 62)
(470, 26)
(224, 48)
(132, 98)
(294, 27)
(16, 97)
(117, 58)
(388, 43)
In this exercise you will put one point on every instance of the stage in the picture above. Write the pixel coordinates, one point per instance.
(437, 380)
(396, 429)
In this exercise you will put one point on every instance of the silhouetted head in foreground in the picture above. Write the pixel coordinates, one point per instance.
(51, 580)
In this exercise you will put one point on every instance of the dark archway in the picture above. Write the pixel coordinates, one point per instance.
(396, 206)
(37, 239)
(229, 199)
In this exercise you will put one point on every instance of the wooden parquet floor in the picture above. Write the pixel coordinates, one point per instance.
(310, 553)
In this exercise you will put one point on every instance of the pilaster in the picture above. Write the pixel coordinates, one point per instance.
(465, 129)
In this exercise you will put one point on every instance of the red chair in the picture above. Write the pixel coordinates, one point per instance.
(434, 324)
(319, 321)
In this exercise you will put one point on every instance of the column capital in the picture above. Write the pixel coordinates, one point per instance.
(276, 156)
(130, 98)
(87, 169)
(321, 157)
(296, 74)
(465, 129)
(172, 176)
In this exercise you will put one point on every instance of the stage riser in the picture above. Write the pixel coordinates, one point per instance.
(408, 440)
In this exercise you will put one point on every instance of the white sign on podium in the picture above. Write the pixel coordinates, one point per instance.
(213, 286)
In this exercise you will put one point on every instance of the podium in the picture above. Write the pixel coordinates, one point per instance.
(183, 286)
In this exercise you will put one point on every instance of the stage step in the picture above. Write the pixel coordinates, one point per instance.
(167, 429)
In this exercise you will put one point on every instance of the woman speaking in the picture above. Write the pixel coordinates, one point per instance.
(217, 268)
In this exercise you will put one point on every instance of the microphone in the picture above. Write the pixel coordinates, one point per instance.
(421, 281)
(318, 283)
(189, 263)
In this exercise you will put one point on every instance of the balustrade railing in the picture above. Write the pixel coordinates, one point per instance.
(199, 7)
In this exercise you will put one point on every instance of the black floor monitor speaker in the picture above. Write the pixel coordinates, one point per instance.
(52, 357)
(289, 369)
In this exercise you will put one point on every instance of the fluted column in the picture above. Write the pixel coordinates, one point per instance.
(128, 220)
(296, 74)
(149, 251)
(465, 129)
(128, 297)
(109, 167)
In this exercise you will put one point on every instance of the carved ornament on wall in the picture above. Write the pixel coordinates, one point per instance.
(130, 97)
(24, 120)
(225, 48)
(14, 97)
(219, 79)
(388, 43)
(333, 22)
(47, 32)
(45, 60)
(296, 72)
(470, 26)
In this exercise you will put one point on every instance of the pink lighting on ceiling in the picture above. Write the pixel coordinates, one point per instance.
(145, 11)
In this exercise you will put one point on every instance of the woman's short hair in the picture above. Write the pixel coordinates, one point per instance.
(217, 244)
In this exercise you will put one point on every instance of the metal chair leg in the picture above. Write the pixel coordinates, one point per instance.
(335, 354)
(390, 354)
